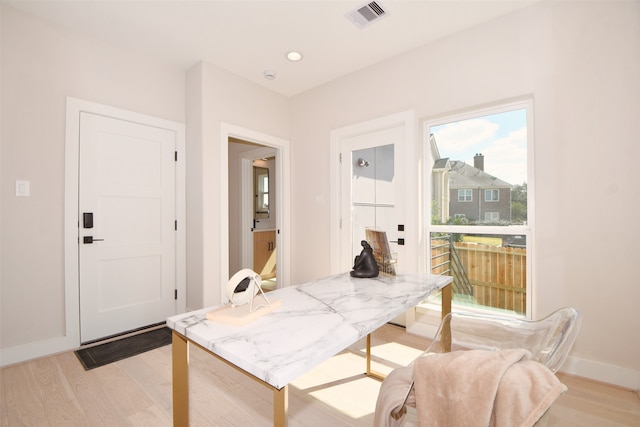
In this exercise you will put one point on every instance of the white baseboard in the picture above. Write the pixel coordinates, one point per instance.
(603, 372)
(34, 350)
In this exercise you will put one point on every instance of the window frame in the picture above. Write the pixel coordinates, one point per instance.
(495, 216)
(525, 229)
(492, 191)
(467, 196)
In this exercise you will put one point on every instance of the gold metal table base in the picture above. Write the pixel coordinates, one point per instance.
(180, 368)
(446, 333)
(180, 372)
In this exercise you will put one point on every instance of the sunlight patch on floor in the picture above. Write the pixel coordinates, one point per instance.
(366, 389)
(336, 381)
(394, 354)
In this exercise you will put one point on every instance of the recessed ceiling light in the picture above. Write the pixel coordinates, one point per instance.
(294, 56)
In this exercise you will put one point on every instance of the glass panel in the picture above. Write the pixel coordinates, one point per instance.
(487, 155)
(488, 270)
(479, 207)
(261, 190)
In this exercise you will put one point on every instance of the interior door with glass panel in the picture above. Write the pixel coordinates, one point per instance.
(372, 195)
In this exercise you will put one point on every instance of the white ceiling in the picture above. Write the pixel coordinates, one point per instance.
(249, 37)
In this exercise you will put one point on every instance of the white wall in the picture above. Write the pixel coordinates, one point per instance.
(41, 66)
(218, 96)
(580, 62)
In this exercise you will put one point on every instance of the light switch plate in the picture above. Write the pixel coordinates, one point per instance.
(22, 188)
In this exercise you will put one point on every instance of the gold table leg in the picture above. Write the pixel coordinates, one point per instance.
(446, 300)
(445, 335)
(281, 407)
(180, 373)
(371, 373)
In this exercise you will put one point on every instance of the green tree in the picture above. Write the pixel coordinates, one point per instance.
(519, 204)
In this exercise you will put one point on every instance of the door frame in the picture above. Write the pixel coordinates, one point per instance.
(283, 185)
(71, 220)
(406, 119)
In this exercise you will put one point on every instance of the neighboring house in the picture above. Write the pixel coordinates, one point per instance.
(477, 195)
(463, 191)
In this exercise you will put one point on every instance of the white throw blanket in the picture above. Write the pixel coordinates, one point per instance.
(472, 388)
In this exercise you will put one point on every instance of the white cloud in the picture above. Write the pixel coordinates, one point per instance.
(506, 158)
(460, 136)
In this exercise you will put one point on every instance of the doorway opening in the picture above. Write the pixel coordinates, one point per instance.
(253, 209)
(238, 205)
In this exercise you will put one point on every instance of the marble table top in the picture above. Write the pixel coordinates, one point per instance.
(316, 321)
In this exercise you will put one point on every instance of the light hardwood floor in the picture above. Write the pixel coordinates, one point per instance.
(56, 391)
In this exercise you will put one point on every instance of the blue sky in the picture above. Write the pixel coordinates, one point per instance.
(501, 138)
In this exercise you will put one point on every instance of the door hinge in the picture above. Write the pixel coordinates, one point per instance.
(340, 158)
(175, 294)
(176, 155)
(175, 225)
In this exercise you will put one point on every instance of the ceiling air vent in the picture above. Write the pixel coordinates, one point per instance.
(367, 14)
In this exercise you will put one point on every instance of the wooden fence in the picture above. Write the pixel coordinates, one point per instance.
(498, 274)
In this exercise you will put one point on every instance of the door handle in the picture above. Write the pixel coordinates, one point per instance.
(90, 239)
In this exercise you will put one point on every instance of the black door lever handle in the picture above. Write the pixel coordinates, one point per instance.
(90, 239)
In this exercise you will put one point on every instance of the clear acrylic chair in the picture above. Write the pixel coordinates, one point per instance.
(549, 339)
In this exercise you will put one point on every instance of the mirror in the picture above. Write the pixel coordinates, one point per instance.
(261, 191)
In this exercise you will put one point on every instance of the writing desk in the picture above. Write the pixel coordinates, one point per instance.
(316, 321)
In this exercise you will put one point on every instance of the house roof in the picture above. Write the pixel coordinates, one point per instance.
(442, 164)
(463, 175)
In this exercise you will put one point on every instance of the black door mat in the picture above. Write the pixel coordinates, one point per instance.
(113, 351)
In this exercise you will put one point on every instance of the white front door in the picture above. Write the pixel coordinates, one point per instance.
(127, 221)
(373, 191)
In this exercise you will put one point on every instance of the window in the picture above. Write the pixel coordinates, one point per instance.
(261, 190)
(491, 195)
(492, 216)
(481, 241)
(465, 195)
